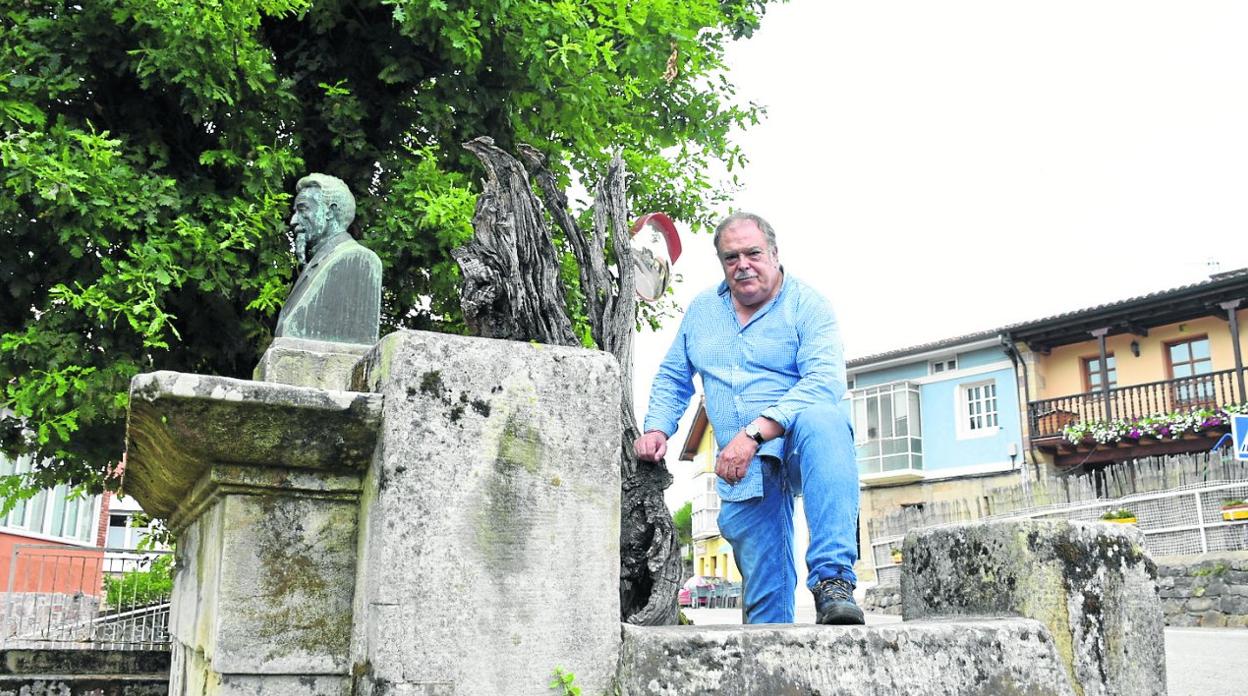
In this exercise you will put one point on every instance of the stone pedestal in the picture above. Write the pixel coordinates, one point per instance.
(306, 363)
(1090, 583)
(461, 539)
(261, 483)
(490, 550)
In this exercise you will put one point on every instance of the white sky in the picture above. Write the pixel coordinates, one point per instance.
(939, 168)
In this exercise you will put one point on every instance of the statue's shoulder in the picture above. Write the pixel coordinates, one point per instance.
(353, 249)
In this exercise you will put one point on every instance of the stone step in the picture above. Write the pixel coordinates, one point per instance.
(86, 672)
(84, 684)
(920, 658)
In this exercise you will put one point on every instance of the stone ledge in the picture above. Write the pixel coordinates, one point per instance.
(180, 425)
(998, 656)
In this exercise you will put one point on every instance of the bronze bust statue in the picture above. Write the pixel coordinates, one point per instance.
(338, 294)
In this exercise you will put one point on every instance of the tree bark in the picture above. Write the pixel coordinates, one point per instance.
(511, 289)
(510, 274)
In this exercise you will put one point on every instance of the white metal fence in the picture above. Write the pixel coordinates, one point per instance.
(70, 597)
(1182, 521)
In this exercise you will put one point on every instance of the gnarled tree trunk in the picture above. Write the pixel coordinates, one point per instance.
(510, 289)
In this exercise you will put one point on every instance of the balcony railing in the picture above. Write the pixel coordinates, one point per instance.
(708, 500)
(1049, 416)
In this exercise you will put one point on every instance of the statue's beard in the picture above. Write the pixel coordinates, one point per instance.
(301, 248)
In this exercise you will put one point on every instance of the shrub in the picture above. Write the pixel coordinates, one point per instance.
(142, 587)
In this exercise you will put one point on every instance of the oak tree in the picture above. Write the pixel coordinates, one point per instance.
(149, 147)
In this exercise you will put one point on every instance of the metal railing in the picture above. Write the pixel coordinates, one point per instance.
(1178, 522)
(1047, 417)
(98, 598)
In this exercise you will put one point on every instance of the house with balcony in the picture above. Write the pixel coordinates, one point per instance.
(712, 554)
(1114, 382)
(934, 422)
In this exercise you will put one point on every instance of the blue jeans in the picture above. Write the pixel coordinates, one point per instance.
(819, 461)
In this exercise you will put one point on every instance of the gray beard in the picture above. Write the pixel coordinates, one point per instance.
(301, 248)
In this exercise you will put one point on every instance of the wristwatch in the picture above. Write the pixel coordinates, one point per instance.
(751, 431)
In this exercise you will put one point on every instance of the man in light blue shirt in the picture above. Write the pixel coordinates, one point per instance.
(772, 366)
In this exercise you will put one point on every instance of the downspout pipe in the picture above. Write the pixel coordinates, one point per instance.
(1011, 351)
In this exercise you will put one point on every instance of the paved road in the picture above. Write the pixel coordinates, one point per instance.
(1206, 661)
(1199, 661)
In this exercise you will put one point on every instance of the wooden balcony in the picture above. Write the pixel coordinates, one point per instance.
(1048, 417)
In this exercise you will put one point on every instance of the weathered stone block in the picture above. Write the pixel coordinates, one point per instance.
(1184, 620)
(1213, 619)
(306, 363)
(1198, 604)
(1091, 583)
(490, 553)
(261, 482)
(180, 425)
(1004, 656)
(1235, 604)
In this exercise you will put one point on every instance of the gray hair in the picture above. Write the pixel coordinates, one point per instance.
(335, 194)
(743, 216)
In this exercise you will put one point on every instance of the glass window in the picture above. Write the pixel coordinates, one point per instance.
(117, 536)
(886, 427)
(981, 406)
(1092, 372)
(942, 366)
(1189, 360)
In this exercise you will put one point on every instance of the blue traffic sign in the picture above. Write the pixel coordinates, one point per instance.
(1239, 436)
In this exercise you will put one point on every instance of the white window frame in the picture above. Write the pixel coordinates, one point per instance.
(54, 504)
(943, 366)
(872, 465)
(964, 403)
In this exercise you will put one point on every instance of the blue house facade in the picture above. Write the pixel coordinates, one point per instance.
(940, 421)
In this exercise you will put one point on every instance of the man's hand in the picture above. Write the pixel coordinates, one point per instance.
(651, 446)
(734, 460)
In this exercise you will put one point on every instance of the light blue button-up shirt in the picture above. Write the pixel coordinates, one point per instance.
(787, 357)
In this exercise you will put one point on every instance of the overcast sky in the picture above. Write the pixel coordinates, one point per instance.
(939, 168)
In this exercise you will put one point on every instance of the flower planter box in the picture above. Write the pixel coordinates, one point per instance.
(1235, 512)
(1122, 520)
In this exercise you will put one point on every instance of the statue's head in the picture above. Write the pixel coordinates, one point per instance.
(324, 207)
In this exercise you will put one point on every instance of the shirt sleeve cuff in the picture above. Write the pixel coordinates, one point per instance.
(668, 429)
(774, 413)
